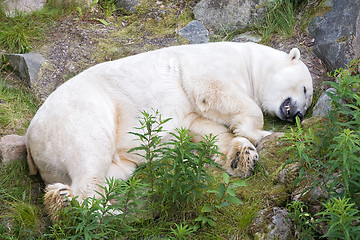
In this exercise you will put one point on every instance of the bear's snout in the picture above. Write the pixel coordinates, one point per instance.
(289, 111)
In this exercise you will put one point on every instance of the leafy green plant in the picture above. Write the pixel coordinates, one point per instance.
(85, 11)
(183, 172)
(109, 216)
(176, 170)
(344, 150)
(330, 158)
(108, 7)
(150, 135)
(304, 149)
(181, 232)
(346, 98)
(342, 217)
(225, 195)
(344, 157)
(304, 222)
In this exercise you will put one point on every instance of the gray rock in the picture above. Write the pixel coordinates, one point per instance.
(12, 148)
(26, 66)
(323, 105)
(229, 15)
(12, 6)
(196, 32)
(272, 224)
(337, 33)
(128, 5)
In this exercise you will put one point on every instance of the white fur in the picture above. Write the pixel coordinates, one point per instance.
(80, 134)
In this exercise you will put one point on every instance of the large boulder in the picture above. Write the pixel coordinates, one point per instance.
(228, 15)
(337, 33)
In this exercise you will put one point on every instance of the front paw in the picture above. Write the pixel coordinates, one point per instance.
(241, 158)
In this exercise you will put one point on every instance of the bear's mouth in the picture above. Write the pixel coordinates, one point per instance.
(289, 111)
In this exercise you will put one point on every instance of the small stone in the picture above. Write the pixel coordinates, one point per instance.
(196, 32)
(12, 148)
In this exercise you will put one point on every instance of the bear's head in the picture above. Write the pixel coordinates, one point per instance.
(289, 91)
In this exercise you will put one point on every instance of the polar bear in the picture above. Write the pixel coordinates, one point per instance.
(80, 135)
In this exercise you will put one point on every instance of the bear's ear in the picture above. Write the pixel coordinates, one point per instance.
(294, 55)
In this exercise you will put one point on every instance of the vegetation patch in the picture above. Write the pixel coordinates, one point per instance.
(17, 107)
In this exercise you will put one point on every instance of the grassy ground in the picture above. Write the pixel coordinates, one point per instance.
(17, 108)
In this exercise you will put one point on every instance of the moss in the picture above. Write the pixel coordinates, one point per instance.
(341, 39)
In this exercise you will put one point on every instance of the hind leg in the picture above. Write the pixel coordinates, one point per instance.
(240, 154)
(87, 183)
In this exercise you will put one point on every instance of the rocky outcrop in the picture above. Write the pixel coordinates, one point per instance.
(272, 224)
(228, 15)
(337, 33)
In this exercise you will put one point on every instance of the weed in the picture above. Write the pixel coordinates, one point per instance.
(85, 11)
(304, 222)
(108, 7)
(182, 232)
(304, 147)
(330, 159)
(110, 216)
(177, 181)
(176, 170)
(342, 217)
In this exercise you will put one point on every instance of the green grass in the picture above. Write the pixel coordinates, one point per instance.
(20, 31)
(286, 18)
(17, 108)
(21, 211)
